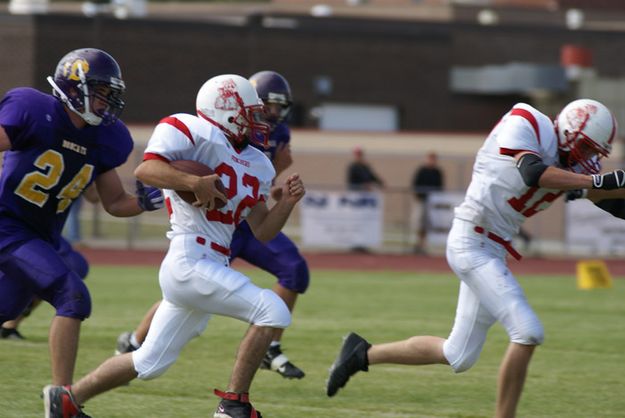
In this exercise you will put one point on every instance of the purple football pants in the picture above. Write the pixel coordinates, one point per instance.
(35, 267)
(279, 257)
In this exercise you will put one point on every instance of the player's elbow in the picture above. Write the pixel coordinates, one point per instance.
(141, 172)
(531, 168)
(264, 236)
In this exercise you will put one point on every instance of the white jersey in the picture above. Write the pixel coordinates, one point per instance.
(247, 175)
(497, 198)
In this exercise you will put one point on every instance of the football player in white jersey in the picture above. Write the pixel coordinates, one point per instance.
(526, 162)
(195, 276)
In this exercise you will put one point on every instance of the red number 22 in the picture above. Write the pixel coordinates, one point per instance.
(228, 217)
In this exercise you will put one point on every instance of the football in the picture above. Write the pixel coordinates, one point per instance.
(198, 169)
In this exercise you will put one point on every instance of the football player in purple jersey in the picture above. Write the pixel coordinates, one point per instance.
(279, 256)
(54, 147)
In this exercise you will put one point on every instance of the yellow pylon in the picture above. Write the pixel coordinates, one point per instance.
(593, 274)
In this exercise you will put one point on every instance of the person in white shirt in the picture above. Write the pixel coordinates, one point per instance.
(195, 277)
(526, 162)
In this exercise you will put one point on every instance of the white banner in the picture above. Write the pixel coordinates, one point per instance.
(440, 212)
(592, 229)
(342, 219)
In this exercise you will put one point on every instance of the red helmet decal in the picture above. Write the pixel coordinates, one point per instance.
(227, 98)
(580, 115)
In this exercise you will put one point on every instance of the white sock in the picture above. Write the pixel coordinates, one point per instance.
(133, 340)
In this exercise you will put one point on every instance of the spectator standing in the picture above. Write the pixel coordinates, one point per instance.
(428, 178)
(360, 175)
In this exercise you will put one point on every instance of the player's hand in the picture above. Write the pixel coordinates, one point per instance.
(282, 158)
(293, 189)
(206, 192)
(609, 181)
(149, 198)
(576, 194)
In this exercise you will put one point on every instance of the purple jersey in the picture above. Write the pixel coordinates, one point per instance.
(50, 162)
(279, 135)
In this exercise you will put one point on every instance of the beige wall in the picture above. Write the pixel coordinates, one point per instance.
(322, 158)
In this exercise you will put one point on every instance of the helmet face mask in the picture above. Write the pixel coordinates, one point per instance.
(231, 103)
(585, 130)
(88, 81)
(275, 92)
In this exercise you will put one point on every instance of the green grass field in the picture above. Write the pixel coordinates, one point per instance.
(577, 373)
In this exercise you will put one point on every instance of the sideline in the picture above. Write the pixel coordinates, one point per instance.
(355, 262)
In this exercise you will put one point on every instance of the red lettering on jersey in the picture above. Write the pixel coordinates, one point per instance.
(520, 204)
(249, 201)
(224, 169)
(240, 161)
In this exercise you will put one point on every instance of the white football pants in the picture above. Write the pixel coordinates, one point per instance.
(488, 293)
(197, 282)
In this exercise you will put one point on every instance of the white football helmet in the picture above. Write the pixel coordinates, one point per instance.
(231, 103)
(585, 129)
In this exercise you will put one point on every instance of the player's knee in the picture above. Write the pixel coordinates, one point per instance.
(530, 333)
(297, 278)
(78, 264)
(70, 297)
(154, 372)
(147, 370)
(460, 358)
(526, 328)
(272, 311)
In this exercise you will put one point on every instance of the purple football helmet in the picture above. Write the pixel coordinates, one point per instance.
(272, 88)
(89, 81)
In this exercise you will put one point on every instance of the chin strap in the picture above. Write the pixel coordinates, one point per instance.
(87, 116)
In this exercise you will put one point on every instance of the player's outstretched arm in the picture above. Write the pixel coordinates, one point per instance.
(265, 223)
(118, 203)
(537, 173)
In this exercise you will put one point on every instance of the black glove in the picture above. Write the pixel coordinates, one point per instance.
(149, 198)
(609, 181)
(576, 194)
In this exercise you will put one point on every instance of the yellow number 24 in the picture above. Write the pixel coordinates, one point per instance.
(34, 185)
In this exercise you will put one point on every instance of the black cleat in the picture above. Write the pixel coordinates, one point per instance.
(10, 334)
(351, 359)
(235, 405)
(59, 403)
(275, 360)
